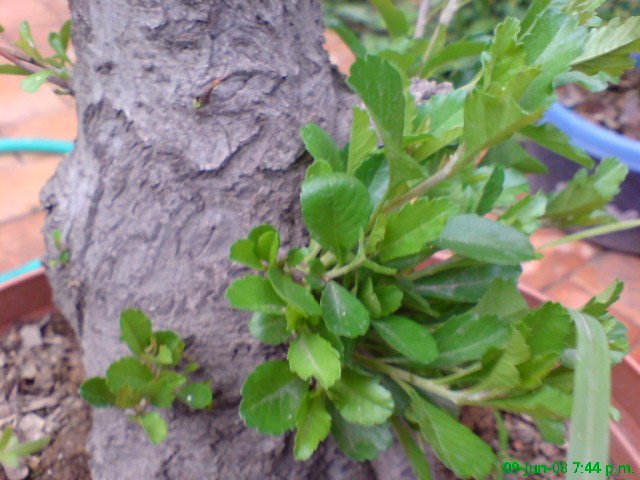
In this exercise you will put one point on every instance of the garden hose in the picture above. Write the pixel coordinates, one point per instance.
(15, 145)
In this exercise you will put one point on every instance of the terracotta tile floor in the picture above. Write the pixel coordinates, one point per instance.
(570, 273)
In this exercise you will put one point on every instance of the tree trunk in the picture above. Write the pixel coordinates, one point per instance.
(189, 116)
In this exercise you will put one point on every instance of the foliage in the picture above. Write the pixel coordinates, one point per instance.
(11, 449)
(377, 338)
(37, 68)
(156, 375)
(64, 254)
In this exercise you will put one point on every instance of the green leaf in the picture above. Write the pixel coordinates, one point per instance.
(56, 43)
(335, 207)
(407, 337)
(607, 48)
(589, 435)
(196, 395)
(464, 284)
(135, 330)
(502, 299)
(244, 252)
(455, 445)
(172, 341)
(293, 293)
(555, 41)
(7, 432)
(96, 392)
(374, 174)
(584, 193)
(310, 355)
(259, 231)
(154, 426)
(546, 402)
(389, 298)
(255, 293)
(363, 141)
(526, 214)
(24, 30)
(361, 399)
(393, 17)
(13, 70)
(550, 137)
(546, 330)
(416, 456)
(321, 146)
(65, 34)
(360, 442)
(174, 379)
(552, 431)
(269, 329)
(491, 191)
(128, 397)
(599, 304)
(503, 375)
(343, 313)
(27, 448)
(469, 337)
(490, 119)
(485, 240)
(271, 396)
(159, 392)
(128, 371)
(379, 85)
(504, 59)
(450, 53)
(411, 228)
(267, 247)
(34, 81)
(313, 423)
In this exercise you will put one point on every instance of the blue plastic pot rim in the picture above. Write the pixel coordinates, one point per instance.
(595, 140)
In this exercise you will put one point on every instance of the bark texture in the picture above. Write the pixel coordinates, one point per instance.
(157, 190)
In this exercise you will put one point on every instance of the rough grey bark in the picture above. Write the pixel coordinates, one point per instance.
(157, 190)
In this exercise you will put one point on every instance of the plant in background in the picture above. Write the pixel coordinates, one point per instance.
(64, 255)
(156, 375)
(11, 450)
(30, 62)
(379, 335)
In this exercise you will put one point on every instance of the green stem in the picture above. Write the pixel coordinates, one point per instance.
(408, 377)
(435, 179)
(462, 372)
(503, 439)
(315, 249)
(343, 270)
(449, 7)
(593, 232)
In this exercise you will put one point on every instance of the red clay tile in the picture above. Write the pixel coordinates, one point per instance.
(568, 293)
(62, 124)
(21, 182)
(339, 53)
(21, 241)
(17, 105)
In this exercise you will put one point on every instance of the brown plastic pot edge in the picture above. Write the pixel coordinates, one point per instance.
(28, 298)
(625, 383)
(25, 298)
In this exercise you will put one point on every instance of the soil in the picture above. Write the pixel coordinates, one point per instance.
(40, 372)
(617, 108)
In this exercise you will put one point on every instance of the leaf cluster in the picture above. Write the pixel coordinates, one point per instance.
(37, 68)
(383, 335)
(156, 375)
(11, 450)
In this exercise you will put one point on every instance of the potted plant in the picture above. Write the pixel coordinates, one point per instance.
(376, 341)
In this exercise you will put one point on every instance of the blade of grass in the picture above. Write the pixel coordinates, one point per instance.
(589, 437)
(593, 232)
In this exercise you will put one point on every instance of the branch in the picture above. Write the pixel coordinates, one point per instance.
(423, 15)
(33, 67)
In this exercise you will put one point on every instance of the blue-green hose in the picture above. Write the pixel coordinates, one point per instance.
(14, 145)
(9, 145)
